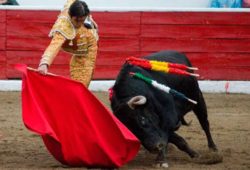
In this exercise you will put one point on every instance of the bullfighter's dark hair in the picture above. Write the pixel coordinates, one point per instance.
(79, 9)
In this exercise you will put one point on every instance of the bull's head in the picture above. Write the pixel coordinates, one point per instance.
(140, 117)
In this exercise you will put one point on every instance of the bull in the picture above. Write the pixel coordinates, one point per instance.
(154, 116)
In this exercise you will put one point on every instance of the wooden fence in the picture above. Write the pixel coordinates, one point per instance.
(216, 42)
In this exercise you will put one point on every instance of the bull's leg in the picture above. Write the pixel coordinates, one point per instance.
(200, 111)
(182, 145)
(161, 159)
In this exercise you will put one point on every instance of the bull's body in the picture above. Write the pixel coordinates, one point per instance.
(156, 121)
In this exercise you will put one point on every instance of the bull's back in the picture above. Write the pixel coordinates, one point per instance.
(185, 84)
(126, 86)
(172, 80)
(169, 56)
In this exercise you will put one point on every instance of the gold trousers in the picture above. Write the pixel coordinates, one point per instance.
(80, 71)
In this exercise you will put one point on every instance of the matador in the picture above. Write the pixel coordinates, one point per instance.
(77, 39)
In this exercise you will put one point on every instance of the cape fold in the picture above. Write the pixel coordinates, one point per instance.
(77, 129)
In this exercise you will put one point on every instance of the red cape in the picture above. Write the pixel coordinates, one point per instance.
(75, 126)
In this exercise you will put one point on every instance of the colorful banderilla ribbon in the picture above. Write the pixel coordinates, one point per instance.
(162, 66)
(162, 87)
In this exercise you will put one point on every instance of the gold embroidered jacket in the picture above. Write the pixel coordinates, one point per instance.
(81, 41)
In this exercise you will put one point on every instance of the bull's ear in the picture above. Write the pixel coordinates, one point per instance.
(137, 100)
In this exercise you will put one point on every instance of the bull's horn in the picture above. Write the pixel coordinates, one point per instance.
(137, 100)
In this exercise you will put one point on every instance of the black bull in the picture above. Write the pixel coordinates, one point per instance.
(154, 116)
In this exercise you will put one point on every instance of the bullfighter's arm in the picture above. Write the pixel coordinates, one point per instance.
(53, 49)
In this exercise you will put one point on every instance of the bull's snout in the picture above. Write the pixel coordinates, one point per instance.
(154, 145)
(160, 146)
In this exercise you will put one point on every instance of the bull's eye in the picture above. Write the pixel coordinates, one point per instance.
(143, 121)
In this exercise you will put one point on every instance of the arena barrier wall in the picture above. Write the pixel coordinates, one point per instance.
(216, 41)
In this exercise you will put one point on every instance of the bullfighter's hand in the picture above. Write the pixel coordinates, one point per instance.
(43, 69)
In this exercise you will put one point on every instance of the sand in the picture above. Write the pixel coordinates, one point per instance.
(229, 116)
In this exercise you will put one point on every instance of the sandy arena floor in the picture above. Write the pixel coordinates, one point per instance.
(229, 116)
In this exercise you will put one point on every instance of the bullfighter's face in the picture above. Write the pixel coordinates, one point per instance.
(78, 21)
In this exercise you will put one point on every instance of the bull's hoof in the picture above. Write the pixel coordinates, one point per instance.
(194, 154)
(213, 149)
(161, 165)
(208, 158)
